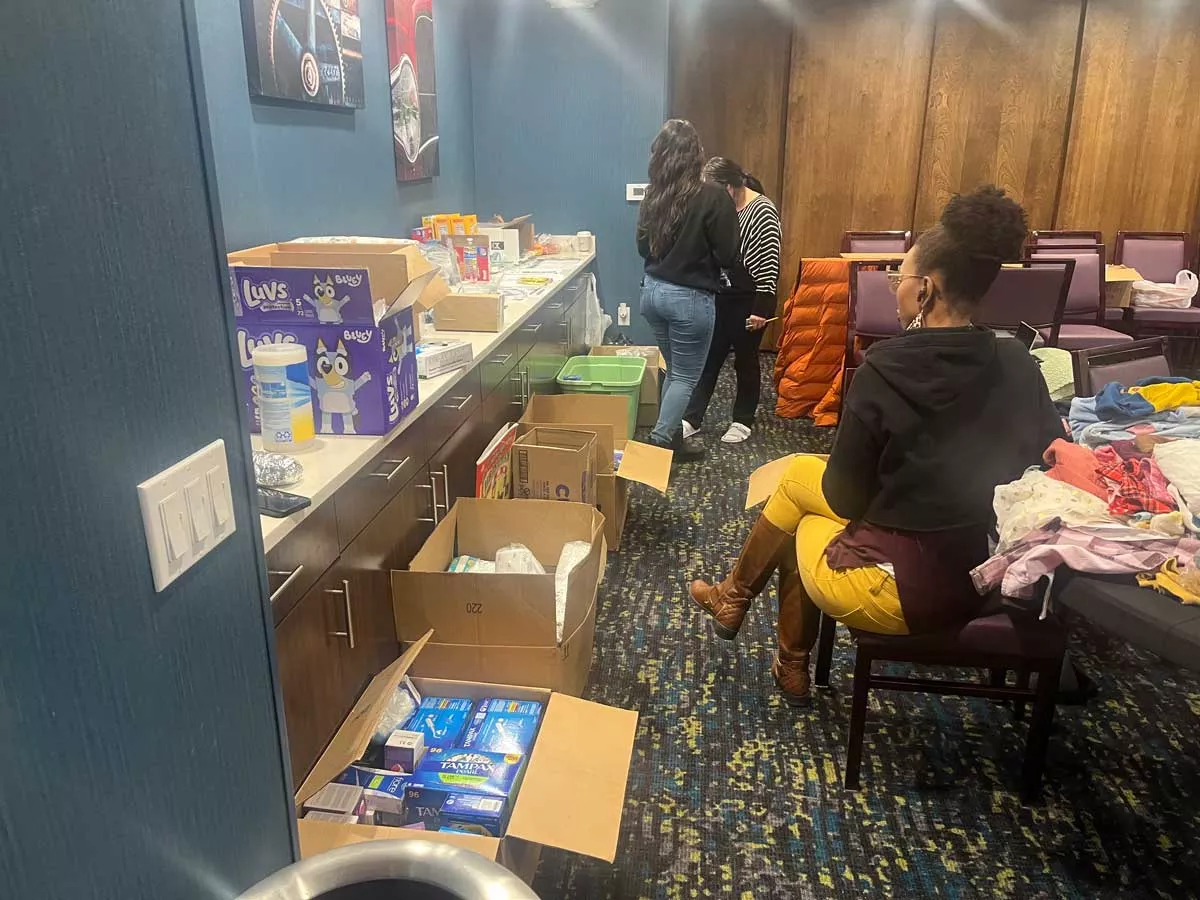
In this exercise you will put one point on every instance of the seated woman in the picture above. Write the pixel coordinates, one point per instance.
(883, 536)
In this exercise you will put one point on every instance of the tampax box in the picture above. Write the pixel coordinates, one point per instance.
(464, 790)
(555, 464)
(571, 795)
(608, 418)
(441, 720)
(503, 726)
(503, 627)
(351, 306)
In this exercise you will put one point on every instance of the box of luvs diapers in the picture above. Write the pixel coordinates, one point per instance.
(351, 306)
(530, 768)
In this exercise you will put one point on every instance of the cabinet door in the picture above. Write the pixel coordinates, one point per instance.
(311, 656)
(452, 468)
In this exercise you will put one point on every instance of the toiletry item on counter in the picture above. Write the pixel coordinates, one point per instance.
(436, 358)
(441, 720)
(403, 751)
(503, 726)
(339, 799)
(465, 790)
(276, 469)
(284, 396)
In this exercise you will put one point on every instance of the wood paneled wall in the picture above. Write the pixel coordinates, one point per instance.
(1085, 110)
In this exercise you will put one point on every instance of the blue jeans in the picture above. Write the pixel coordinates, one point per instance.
(683, 319)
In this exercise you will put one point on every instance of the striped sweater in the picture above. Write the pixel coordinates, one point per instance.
(762, 244)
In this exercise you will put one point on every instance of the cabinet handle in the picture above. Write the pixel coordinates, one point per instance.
(432, 490)
(532, 329)
(518, 379)
(446, 488)
(398, 463)
(500, 360)
(348, 634)
(463, 401)
(525, 389)
(289, 578)
(554, 307)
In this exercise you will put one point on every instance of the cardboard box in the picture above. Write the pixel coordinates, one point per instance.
(608, 418)
(555, 464)
(1118, 286)
(571, 796)
(656, 371)
(765, 479)
(469, 311)
(503, 627)
(509, 239)
(351, 306)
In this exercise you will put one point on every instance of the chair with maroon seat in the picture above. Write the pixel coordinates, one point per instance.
(898, 242)
(1039, 239)
(1084, 317)
(1033, 291)
(871, 314)
(996, 641)
(1125, 364)
(1157, 255)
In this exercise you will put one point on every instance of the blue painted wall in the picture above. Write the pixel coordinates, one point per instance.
(139, 743)
(285, 170)
(566, 103)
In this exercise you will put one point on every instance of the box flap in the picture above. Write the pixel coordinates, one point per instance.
(510, 223)
(484, 526)
(412, 293)
(765, 479)
(352, 738)
(1121, 273)
(646, 465)
(317, 837)
(574, 788)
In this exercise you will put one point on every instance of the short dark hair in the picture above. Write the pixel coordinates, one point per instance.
(977, 233)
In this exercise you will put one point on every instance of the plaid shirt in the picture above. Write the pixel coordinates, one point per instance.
(1135, 485)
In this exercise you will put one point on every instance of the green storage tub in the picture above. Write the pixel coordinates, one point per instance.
(617, 375)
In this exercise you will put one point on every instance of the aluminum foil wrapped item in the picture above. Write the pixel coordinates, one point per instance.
(276, 469)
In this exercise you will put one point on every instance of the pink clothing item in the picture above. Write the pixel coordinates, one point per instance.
(1040, 553)
(1076, 466)
(1135, 485)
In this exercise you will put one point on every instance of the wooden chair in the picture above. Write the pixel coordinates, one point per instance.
(1124, 363)
(898, 242)
(998, 642)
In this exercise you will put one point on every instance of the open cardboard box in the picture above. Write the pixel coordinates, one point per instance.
(509, 239)
(504, 627)
(608, 417)
(571, 797)
(656, 371)
(473, 309)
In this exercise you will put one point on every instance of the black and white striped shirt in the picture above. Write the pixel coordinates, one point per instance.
(762, 244)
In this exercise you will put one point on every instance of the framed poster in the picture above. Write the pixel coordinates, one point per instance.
(309, 51)
(414, 88)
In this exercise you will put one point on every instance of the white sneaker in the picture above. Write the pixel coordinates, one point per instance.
(736, 434)
(689, 429)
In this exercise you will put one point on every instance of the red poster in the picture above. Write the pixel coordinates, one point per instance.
(414, 88)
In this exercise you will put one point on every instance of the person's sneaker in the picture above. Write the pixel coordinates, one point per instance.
(689, 429)
(735, 435)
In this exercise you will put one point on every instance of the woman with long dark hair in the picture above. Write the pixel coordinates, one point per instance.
(744, 307)
(883, 536)
(687, 233)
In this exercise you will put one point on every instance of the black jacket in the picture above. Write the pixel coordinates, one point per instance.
(708, 242)
(934, 420)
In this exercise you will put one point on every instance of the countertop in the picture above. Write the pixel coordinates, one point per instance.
(331, 461)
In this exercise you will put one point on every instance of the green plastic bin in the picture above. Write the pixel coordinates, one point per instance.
(617, 375)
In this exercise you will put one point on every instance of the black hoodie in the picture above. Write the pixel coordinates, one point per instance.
(934, 420)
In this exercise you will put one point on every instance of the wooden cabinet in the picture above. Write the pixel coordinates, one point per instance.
(299, 562)
(361, 499)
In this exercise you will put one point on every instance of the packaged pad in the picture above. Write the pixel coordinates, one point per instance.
(441, 720)
(503, 726)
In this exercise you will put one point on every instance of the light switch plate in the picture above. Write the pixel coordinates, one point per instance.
(190, 501)
(635, 193)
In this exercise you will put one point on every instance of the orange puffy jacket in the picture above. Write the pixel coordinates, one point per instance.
(812, 348)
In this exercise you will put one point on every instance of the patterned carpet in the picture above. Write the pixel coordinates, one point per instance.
(732, 794)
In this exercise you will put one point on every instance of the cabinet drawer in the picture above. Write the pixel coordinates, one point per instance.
(361, 498)
(295, 565)
(497, 366)
(458, 405)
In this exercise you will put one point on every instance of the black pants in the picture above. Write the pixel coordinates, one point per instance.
(730, 334)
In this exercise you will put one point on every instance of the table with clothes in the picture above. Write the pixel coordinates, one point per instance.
(1119, 508)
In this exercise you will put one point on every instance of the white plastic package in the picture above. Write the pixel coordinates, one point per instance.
(1149, 295)
(573, 553)
(517, 559)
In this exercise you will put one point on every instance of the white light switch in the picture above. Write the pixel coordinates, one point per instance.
(187, 510)
(635, 193)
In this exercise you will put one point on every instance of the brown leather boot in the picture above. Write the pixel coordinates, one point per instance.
(799, 624)
(728, 601)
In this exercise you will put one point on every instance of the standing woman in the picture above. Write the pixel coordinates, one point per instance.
(744, 308)
(687, 233)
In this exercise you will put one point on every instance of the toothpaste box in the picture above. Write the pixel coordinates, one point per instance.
(503, 726)
(383, 793)
(465, 790)
(403, 750)
(441, 720)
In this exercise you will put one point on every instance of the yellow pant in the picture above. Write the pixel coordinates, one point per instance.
(865, 598)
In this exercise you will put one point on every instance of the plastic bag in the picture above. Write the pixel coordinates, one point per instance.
(517, 559)
(597, 321)
(573, 553)
(439, 255)
(1149, 295)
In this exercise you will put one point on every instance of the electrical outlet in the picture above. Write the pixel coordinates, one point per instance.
(623, 315)
(635, 193)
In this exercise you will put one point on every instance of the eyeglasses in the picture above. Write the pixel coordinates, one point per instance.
(895, 278)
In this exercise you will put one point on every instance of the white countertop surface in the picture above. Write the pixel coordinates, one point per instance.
(331, 461)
